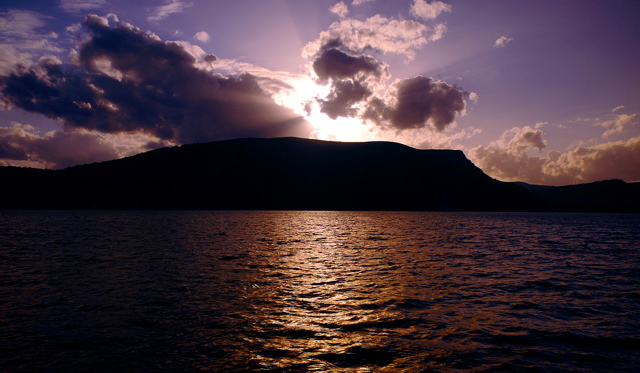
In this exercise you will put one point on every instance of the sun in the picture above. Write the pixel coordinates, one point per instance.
(303, 97)
(339, 129)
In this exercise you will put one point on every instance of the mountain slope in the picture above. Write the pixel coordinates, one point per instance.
(281, 173)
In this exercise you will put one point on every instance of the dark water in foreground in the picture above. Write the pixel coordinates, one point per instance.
(318, 291)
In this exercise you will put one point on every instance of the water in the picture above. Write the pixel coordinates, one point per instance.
(318, 291)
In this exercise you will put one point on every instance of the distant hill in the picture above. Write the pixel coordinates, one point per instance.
(600, 196)
(280, 173)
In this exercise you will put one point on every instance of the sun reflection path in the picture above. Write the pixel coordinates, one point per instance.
(328, 295)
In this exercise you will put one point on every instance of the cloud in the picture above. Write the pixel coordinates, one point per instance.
(201, 36)
(442, 140)
(424, 10)
(20, 40)
(353, 79)
(342, 98)
(438, 32)
(81, 6)
(417, 103)
(21, 24)
(499, 163)
(21, 145)
(340, 9)
(502, 42)
(508, 159)
(619, 124)
(617, 108)
(523, 139)
(360, 2)
(612, 160)
(128, 81)
(356, 78)
(163, 11)
(336, 64)
(376, 33)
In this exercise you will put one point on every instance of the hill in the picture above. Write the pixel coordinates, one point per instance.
(282, 173)
(279, 173)
(600, 196)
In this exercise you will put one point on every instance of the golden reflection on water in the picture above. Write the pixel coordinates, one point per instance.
(325, 284)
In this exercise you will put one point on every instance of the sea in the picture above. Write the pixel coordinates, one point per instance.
(319, 291)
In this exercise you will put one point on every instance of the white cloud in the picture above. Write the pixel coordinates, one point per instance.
(612, 160)
(11, 57)
(617, 108)
(163, 11)
(340, 9)
(502, 41)
(359, 2)
(619, 124)
(202, 36)
(80, 6)
(20, 40)
(21, 24)
(508, 159)
(438, 32)
(427, 139)
(377, 32)
(424, 10)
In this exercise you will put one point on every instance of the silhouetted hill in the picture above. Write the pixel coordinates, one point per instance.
(600, 196)
(282, 173)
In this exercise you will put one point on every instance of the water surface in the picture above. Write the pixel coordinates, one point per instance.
(318, 291)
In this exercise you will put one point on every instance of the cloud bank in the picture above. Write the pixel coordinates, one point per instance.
(510, 159)
(25, 147)
(124, 80)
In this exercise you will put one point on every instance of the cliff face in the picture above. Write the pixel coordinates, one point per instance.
(281, 173)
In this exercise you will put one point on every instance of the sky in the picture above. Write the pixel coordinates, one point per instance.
(545, 92)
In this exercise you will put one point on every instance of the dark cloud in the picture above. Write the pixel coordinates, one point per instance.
(336, 64)
(210, 58)
(12, 150)
(410, 103)
(353, 78)
(416, 102)
(126, 80)
(344, 94)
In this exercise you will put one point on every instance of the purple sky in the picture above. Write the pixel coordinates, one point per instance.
(546, 92)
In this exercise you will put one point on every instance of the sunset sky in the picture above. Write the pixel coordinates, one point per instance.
(546, 92)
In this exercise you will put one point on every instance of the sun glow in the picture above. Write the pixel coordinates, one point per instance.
(303, 97)
(339, 129)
